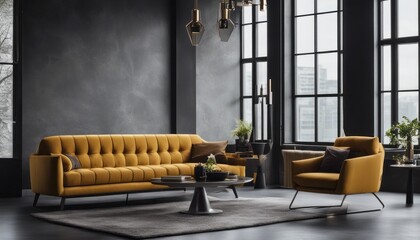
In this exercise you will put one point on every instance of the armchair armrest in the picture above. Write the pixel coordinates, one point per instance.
(361, 174)
(306, 165)
(46, 174)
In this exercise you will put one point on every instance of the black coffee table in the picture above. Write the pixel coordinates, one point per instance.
(200, 204)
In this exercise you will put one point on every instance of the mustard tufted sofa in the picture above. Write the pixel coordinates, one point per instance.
(111, 164)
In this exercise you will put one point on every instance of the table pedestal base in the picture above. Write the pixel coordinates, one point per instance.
(410, 188)
(200, 204)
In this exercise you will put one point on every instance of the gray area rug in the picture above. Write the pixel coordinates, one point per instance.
(165, 219)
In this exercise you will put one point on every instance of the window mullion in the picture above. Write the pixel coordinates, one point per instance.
(254, 73)
(394, 62)
(338, 67)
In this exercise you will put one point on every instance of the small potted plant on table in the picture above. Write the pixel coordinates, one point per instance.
(213, 173)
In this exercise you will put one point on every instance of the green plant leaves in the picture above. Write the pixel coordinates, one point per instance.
(401, 133)
(243, 129)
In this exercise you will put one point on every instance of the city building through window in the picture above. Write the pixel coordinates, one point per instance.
(399, 54)
(317, 94)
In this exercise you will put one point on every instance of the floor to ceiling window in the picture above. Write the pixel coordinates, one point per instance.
(7, 68)
(399, 51)
(254, 69)
(317, 91)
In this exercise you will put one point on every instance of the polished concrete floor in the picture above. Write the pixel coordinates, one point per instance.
(395, 221)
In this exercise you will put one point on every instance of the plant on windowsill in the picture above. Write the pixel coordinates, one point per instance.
(243, 131)
(401, 134)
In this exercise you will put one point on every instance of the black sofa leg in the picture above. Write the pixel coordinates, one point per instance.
(126, 200)
(63, 201)
(36, 199)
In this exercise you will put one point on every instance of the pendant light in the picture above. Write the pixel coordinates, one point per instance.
(244, 3)
(225, 24)
(195, 28)
(263, 4)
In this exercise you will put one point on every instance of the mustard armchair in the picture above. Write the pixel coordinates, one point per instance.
(360, 173)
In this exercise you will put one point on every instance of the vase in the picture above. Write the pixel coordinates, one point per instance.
(409, 151)
(200, 173)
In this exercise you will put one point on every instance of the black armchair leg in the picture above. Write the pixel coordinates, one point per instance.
(36, 199)
(294, 197)
(63, 201)
(383, 205)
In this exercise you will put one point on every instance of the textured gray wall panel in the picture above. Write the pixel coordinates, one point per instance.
(97, 66)
(218, 74)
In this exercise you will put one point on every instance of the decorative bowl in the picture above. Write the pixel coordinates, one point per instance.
(217, 176)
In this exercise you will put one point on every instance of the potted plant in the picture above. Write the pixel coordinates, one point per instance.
(212, 172)
(402, 133)
(242, 131)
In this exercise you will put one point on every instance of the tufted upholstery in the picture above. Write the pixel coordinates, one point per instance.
(116, 160)
(98, 151)
(361, 174)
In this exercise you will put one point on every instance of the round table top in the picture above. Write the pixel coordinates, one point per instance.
(193, 183)
(409, 166)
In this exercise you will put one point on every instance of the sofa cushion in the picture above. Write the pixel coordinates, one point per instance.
(317, 180)
(69, 161)
(75, 163)
(333, 159)
(109, 175)
(200, 151)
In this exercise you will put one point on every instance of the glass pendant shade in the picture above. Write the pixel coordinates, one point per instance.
(195, 28)
(225, 25)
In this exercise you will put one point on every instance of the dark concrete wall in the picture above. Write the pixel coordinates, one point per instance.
(218, 74)
(97, 66)
(185, 67)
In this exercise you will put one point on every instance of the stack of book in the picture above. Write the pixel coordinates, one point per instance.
(179, 178)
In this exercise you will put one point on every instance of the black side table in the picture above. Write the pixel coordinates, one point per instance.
(410, 186)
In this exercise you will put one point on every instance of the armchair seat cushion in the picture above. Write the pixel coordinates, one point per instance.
(317, 180)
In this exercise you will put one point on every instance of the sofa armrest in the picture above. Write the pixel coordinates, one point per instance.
(361, 174)
(46, 174)
(236, 161)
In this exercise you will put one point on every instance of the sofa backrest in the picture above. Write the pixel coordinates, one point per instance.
(95, 151)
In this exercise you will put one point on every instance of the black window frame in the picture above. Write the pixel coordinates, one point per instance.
(17, 83)
(253, 60)
(316, 53)
(394, 42)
